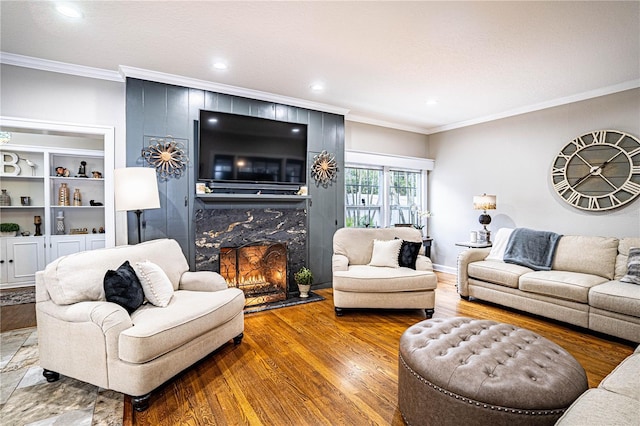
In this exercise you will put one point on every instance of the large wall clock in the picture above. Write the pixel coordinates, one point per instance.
(598, 171)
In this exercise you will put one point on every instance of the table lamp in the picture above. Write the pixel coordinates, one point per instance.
(136, 189)
(484, 202)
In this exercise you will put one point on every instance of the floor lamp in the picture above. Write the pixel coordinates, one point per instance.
(136, 189)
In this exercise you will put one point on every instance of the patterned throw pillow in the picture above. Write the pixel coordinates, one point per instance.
(408, 254)
(123, 287)
(633, 267)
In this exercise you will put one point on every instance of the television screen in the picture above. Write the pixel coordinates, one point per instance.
(240, 148)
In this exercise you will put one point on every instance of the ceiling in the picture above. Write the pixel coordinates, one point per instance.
(382, 61)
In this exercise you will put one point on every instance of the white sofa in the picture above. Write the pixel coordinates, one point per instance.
(616, 400)
(582, 287)
(83, 336)
(356, 284)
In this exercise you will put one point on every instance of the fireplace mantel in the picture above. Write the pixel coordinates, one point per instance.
(216, 198)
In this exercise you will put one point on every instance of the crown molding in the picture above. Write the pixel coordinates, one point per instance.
(609, 90)
(387, 124)
(59, 67)
(177, 80)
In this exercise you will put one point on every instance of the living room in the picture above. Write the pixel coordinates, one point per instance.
(507, 152)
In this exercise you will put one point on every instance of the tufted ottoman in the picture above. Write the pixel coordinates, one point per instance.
(476, 372)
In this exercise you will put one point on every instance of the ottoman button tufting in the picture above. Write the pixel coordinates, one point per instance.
(470, 371)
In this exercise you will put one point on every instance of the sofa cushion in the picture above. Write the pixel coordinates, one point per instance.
(616, 296)
(623, 251)
(155, 283)
(589, 255)
(189, 315)
(597, 407)
(633, 267)
(505, 274)
(386, 253)
(625, 378)
(564, 285)
(363, 278)
(122, 286)
(79, 277)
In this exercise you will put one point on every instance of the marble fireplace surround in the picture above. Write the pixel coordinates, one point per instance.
(217, 227)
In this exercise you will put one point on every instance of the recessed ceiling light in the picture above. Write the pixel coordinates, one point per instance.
(219, 65)
(317, 87)
(68, 11)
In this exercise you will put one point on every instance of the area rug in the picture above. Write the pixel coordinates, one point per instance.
(17, 296)
(284, 303)
(26, 398)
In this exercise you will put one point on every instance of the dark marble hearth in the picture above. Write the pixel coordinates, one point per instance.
(216, 228)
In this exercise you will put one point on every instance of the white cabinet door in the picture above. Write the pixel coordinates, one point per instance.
(62, 245)
(21, 258)
(95, 241)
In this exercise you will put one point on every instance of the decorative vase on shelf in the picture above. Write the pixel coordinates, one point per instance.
(77, 198)
(5, 199)
(60, 224)
(63, 195)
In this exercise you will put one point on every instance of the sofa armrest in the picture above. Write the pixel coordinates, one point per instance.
(339, 262)
(202, 281)
(464, 258)
(423, 263)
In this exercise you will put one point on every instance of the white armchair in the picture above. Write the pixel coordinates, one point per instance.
(357, 284)
(83, 336)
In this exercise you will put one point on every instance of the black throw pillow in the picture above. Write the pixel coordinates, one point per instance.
(408, 254)
(123, 287)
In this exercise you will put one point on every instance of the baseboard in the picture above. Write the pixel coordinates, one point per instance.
(445, 269)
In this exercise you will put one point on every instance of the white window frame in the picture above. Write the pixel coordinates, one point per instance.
(390, 162)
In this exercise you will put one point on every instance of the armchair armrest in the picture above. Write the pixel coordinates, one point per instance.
(105, 315)
(339, 262)
(202, 281)
(423, 263)
(464, 258)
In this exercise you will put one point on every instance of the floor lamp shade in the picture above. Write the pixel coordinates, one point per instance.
(136, 189)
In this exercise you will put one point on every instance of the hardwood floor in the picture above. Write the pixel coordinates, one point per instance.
(303, 365)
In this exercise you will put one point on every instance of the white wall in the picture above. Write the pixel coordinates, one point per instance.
(48, 96)
(382, 140)
(512, 159)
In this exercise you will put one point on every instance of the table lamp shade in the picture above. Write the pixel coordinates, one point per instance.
(136, 188)
(484, 202)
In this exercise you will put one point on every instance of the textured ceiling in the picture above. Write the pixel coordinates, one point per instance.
(380, 60)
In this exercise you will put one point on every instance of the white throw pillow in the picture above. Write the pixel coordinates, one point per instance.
(156, 286)
(500, 241)
(386, 253)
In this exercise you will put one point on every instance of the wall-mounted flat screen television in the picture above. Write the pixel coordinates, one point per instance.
(244, 149)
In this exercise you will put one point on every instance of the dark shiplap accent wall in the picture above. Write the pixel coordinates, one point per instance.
(158, 110)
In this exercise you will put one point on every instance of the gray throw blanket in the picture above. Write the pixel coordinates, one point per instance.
(530, 248)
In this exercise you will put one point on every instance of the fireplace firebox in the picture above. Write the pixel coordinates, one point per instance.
(259, 269)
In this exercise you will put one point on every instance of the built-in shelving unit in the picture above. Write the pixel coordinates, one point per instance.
(31, 174)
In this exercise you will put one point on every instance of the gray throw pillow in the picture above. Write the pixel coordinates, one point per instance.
(633, 267)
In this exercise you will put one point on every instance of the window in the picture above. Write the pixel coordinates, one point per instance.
(385, 190)
(362, 197)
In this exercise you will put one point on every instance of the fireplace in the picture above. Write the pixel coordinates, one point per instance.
(258, 269)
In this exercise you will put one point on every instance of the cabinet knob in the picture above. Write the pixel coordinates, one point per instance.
(10, 260)
(1, 261)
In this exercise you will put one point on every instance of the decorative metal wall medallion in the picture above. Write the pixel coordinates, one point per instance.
(167, 156)
(324, 169)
